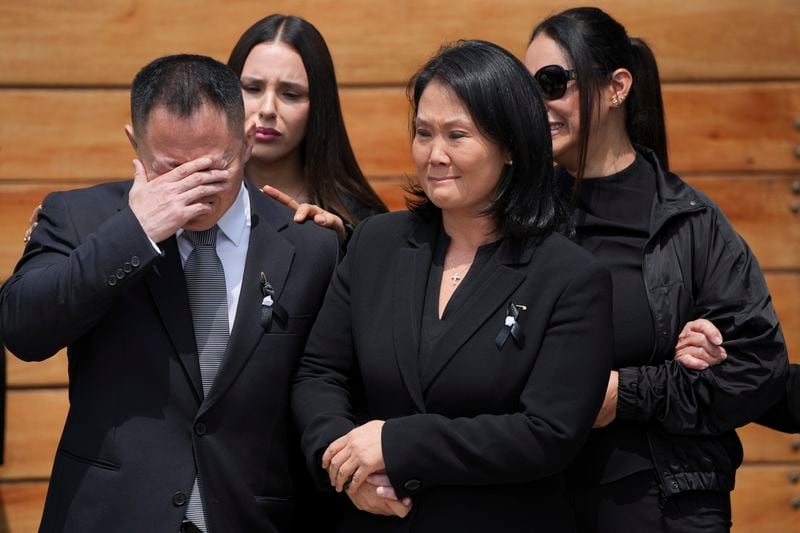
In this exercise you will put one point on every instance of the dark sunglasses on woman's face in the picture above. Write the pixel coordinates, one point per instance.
(553, 80)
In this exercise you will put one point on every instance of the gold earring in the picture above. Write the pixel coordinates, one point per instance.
(615, 101)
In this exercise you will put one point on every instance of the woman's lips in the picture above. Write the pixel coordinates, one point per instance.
(267, 134)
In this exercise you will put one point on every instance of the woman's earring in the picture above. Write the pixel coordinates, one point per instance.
(615, 102)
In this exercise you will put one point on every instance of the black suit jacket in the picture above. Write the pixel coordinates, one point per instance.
(138, 423)
(478, 435)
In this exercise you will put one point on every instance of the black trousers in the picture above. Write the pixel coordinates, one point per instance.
(633, 505)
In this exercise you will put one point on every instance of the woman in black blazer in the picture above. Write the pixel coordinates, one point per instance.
(463, 348)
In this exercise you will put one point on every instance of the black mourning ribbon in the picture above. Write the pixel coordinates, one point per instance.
(511, 328)
(269, 307)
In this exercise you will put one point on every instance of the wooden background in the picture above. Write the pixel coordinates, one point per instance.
(732, 86)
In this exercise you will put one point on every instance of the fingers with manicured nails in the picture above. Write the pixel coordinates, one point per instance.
(388, 493)
(366, 499)
(305, 211)
(329, 220)
(280, 196)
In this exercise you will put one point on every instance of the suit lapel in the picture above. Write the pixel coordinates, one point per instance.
(497, 283)
(168, 288)
(270, 253)
(411, 276)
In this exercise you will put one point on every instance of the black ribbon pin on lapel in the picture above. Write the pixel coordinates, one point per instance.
(269, 307)
(511, 327)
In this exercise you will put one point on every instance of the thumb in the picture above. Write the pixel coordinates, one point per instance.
(139, 174)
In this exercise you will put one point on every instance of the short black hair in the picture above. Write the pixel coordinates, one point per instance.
(507, 107)
(182, 84)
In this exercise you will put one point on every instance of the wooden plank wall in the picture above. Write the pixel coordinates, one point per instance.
(732, 88)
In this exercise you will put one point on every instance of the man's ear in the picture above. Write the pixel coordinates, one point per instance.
(131, 136)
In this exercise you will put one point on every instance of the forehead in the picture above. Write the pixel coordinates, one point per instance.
(544, 51)
(275, 60)
(172, 138)
(439, 102)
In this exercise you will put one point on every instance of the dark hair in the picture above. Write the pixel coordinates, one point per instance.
(329, 166)
(504, 101)
(182, 84)
(597, 45)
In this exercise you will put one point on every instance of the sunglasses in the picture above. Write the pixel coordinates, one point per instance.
(553, 80)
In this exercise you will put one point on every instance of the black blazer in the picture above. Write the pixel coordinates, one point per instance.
(138, 423)
(478, 436)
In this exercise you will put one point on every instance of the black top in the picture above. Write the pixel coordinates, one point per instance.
(612, 219)
(434, 327)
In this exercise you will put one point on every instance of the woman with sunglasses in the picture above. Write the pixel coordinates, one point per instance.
(664, 454)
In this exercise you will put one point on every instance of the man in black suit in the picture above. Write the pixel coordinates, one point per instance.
(179, 366)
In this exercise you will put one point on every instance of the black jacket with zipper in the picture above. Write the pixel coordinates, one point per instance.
(696, 266)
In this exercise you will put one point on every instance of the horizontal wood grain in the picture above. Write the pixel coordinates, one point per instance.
(762, 445)
(95, 42)
(759, 208)
(762, 500)
(785, 290)
(21, 506)
(73, 134)
(34, 420)
(49, 373)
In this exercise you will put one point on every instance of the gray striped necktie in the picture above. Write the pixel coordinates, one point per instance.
(205, 281)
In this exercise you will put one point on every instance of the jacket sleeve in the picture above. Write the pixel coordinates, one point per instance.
(785, 414)
(327, 372)
(65, 282)
(557, 407)
(729, 290)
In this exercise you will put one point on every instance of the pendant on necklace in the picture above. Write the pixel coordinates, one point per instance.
(455, 278)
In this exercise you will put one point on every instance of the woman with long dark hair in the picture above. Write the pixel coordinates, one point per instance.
(477, 337)
(290, 93)
(665, 452)
(302, 154)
